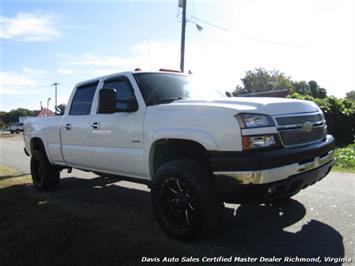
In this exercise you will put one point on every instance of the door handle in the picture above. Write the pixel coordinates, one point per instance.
(95, 125)
(67, 126)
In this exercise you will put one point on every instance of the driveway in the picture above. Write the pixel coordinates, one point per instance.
(318, 221)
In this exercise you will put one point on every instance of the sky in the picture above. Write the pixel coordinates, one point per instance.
(43, 42)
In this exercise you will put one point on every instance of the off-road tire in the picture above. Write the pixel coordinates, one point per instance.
(202, 209)
(45, 176)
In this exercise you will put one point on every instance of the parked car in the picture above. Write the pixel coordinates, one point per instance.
(16, 128)
(193, 147)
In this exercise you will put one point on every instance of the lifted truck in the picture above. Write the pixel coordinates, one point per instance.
(193, 147)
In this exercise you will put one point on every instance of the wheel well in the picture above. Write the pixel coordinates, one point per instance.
(36, 145)
(166, 150)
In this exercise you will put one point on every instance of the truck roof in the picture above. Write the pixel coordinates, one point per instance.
(125, 73)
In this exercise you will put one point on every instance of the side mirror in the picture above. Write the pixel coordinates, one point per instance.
(109, 104)
(107, 101)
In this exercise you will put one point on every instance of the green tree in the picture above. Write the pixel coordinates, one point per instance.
(261, 80)
(316, 91)
(13, 115)
(301, 87)
(2, 124)
(310, 88)
(350, 95)
(340, 116)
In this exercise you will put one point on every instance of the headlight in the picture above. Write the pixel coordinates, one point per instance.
(262, 141)
(254, 120)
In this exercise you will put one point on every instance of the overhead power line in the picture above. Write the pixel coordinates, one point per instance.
(113, 22)
(209, 23)
(249, 37)
(146, 35)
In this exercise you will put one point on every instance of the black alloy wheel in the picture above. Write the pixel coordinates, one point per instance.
(45, 176)
(185, 201)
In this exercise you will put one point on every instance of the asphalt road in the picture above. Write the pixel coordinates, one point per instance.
(319, 221)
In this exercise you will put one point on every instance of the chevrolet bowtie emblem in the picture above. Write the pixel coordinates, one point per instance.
(308, 126)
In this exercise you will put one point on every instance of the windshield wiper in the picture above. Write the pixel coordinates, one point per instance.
(169, 100)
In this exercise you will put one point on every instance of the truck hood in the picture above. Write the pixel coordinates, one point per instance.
(264, 105)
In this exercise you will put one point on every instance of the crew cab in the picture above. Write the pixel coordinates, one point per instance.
(194, 147)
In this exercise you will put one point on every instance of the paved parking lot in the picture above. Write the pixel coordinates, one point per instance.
(318, 221)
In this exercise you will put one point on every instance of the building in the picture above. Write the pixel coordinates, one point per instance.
(45, 113)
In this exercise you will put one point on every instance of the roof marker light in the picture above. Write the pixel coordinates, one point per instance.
(169, 70)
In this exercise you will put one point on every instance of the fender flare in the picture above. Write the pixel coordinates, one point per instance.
(204, 138)
(38, 135)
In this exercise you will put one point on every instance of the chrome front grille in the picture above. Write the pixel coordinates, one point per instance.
(301, 129)
(298, 119)
(294, 137)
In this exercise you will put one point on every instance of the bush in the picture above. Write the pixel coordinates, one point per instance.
(340, 116)
(346, 157)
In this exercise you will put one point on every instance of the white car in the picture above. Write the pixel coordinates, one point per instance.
(195, 148)
(16, 128)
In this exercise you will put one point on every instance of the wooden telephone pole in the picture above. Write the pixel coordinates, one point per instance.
(182, 4)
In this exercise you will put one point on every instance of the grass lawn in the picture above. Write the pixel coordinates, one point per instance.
(343, 170)
(6, 135)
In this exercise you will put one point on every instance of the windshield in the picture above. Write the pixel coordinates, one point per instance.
(158, 88)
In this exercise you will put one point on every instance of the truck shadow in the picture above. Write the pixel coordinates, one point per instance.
(263, 228)
(248, 230)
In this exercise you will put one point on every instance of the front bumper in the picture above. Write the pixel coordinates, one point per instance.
(232, 192)
(265, 175)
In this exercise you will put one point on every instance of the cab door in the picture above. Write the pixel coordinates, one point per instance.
(76, 128)
(117, 137)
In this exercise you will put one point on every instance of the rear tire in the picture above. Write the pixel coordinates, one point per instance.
(185, 201)
(45, 176)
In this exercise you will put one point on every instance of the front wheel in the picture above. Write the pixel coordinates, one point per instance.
(185, 201)
(45, 176)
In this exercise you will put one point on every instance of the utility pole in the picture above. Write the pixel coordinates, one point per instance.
(182, 4)
(55, 84)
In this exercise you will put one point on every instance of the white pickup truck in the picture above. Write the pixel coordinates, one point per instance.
(193, 147)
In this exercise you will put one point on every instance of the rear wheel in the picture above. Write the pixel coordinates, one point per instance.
(45, 176)
(185, 201)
